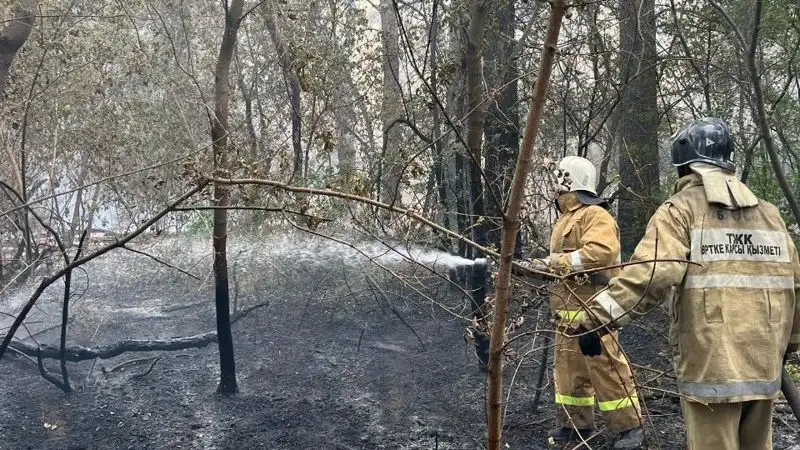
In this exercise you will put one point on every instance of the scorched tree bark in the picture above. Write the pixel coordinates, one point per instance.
(222, 197)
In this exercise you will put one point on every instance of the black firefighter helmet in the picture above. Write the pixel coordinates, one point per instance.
(705, 140)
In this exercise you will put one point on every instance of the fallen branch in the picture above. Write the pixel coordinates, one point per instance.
(130, 362)
(81, 353)
(23, 355)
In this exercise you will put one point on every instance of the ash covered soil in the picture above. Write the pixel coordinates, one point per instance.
(329, 361)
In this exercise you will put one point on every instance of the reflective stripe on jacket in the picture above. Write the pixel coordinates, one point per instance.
(734, 308)
(584, 237)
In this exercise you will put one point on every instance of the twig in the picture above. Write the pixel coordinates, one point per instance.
(149, 369)
(122, 365)
(529, 424)
(102, 180)
(542, 368)
(161, 262)
(23, 355)
(374, 285)
(48, 376)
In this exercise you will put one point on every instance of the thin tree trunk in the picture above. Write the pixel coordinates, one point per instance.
(345, 117)
(292, 86)
(436, 132)
(760, 114)
(62, 348)
(23, 179)
(219, 139)
(346, 148)
(511, 225)
(476, 107)
(391, 164)
(247, 96)
(455, 170)
(502, 121)
(262, 124)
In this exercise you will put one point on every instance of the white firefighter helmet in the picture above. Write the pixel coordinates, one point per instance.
(577, 174)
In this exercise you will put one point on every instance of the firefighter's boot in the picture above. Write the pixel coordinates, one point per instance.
(630, 439)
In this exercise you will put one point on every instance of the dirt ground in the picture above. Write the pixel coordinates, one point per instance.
(329, 363)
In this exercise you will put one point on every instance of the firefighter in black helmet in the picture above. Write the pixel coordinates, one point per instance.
(734, 308)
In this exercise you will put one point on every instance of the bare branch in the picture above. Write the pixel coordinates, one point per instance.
(103, 180)
(161, 262)
(79, 262)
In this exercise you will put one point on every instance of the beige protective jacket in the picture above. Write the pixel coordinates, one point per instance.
(584, 237)
(734, 309)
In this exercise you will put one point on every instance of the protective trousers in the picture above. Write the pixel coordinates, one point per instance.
(579, 378)
(728, 426)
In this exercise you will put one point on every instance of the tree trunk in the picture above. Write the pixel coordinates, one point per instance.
(760, 115)
(248, 93)
(345, 117)
(391, 164)
(454, 158)
(288, 67)
(439, 141)
(13, 35)
(502, 121)
(511, 225)
(638, 121)
(219, 139)
(476, 107)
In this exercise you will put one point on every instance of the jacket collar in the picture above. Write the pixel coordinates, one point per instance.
(721, 186)
(568, 202)
(686, 182)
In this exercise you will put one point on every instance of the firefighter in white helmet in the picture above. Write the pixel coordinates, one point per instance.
(725, 264)
(586, 237)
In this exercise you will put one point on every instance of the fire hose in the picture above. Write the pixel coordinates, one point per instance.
(791, 393)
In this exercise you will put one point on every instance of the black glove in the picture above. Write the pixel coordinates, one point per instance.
(589, 342)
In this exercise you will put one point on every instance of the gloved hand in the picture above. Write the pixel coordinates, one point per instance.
(542, 265)
(589, 342)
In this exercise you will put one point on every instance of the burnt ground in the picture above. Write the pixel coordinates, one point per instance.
(327, 364)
